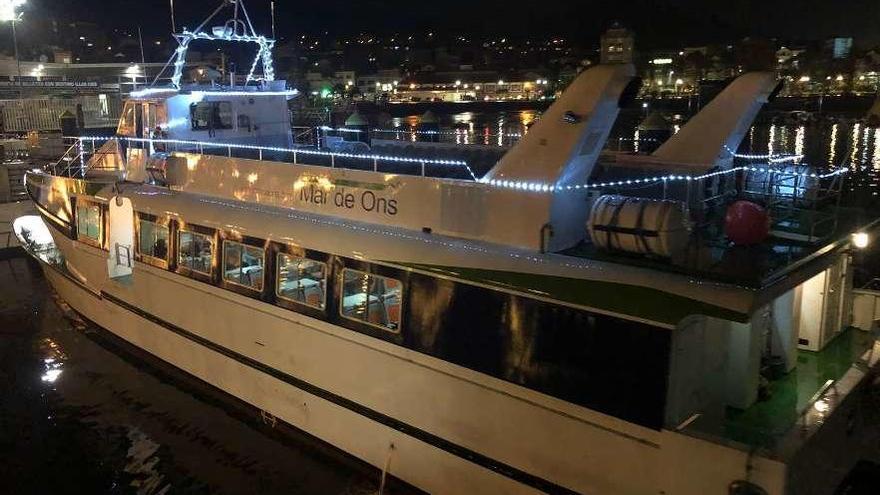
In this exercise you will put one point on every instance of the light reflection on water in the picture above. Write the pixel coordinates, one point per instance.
(825, 143)
(819, 141)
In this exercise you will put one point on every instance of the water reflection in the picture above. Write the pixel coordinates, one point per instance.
(825, 142)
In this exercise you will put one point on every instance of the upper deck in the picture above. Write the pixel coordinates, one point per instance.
(809, 208)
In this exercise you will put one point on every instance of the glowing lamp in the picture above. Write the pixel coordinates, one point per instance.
(861, 240)
(7, 9)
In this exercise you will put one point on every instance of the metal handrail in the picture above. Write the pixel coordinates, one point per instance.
(201, 147)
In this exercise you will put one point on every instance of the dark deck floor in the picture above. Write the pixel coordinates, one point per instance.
(766, 421)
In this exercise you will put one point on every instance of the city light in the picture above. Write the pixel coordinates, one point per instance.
(8, 10)
(804, 79)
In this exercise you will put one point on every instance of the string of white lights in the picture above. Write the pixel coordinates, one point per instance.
(402, 130)
(264, 54)
(640, 139)
(543, 187)
(302, 151)
(142, 93)
(772, 158)
(507, 184)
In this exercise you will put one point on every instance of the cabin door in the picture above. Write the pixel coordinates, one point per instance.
(139, 121)
(121, 238)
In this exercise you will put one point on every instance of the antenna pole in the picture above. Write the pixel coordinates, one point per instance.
(272, 7)
(173, 25)
(246, 17)
(208, 19)
(141, 41)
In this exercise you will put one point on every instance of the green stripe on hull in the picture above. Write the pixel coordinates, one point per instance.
(638, 302)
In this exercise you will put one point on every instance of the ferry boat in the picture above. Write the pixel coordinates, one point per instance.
(558, 324)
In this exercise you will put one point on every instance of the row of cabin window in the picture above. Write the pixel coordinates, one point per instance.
(366, 297)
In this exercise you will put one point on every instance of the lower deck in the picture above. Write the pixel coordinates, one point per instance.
(786, 400)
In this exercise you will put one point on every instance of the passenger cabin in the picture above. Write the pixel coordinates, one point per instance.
(244, 115)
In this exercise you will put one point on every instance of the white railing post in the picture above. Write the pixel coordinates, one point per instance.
(229, 151)
(375, 164)
(332, 160)
(261, 153)
(82, 160)
(423, 168)
(294, 157)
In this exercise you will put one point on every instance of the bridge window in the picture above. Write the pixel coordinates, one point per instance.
(301, 280)
(372, 299)
(152, 240)
(88, 222)
(195, 251)
(211, 115)
(243, 264)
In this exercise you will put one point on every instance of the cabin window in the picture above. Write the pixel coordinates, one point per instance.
(211, 115)
(301, 280)
(243, 265)
(127, 120)
(195, 251)
(88, 222)
(153, 240)
(372, 299)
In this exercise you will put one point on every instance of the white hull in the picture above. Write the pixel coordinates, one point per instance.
(452, 429)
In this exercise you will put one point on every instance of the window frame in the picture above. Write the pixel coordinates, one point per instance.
(197, 128)
(189, 272)
(371, 271)
(277, 248)
(147, 258)
(277, 279)
(125, 128)
(247, 242)
(102, 222)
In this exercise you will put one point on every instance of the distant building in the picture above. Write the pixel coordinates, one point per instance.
(383, 81)
(839, 47)
(459, 86)
(616, 45)
(788, 58)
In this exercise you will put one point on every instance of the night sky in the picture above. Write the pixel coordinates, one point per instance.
(659, 23)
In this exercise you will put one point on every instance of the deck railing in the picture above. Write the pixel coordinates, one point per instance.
(82, 148)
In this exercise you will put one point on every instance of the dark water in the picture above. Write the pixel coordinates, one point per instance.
(79, 415)
(830, 140)
(826, 142)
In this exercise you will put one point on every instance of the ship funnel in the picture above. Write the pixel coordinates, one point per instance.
(711, 136)
(564, 144)
(561, 149)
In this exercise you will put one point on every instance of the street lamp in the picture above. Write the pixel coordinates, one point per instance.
(7, 13)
